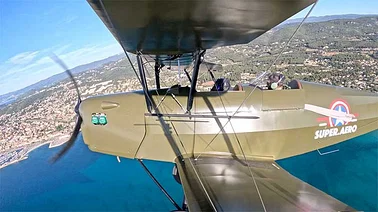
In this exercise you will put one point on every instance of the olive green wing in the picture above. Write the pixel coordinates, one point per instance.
(229, 184)
(166, 27)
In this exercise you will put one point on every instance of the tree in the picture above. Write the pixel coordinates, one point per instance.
(59, 127)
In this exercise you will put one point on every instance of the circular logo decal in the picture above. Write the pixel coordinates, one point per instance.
(340, 106)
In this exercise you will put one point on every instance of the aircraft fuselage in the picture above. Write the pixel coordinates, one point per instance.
(263, 124)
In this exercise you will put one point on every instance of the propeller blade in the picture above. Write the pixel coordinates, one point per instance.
(70, 142)
(79, 120)
(68, 71)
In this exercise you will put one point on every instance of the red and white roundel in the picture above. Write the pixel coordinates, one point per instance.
(340, 106)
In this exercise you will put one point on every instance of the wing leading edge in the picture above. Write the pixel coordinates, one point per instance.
(225, 184)
(164, 27)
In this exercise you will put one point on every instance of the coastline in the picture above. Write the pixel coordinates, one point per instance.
(13, 162)
(37, 146)
(54, 142)
(59, 141)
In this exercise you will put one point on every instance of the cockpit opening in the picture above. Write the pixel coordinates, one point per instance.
(221, 84)
(275, 81)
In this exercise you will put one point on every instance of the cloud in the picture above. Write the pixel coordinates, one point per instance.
(30, 67)
(19, 70)
(89, 54)
(69, 19)
(66, 20)
(60, 49)
(23, 64)
(43, 60)
(23, 58)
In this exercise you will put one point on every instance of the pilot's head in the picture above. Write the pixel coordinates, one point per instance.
(275, 81)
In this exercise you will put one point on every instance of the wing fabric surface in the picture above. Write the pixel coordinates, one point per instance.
(164, 27)
(225, 184)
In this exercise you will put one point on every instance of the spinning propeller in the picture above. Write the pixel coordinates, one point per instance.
(79, 120)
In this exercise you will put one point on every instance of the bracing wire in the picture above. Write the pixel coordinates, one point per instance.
(249, 168)
(292, 36)
(224, 105)
(228, 119)
(165, 110)
(279, 55)
(190, 162)
(241, 149)
(157, 92)
(164, 126)
(233, 129)
(123, 47)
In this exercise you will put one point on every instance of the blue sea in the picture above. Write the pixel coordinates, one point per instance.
(87, 181)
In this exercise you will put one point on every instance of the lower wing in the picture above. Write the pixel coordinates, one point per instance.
(230, 184)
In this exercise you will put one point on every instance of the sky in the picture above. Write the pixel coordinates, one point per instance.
(32, 29)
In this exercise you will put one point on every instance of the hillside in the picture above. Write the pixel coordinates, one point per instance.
(324, 52)
(12, 96)
(313, 19)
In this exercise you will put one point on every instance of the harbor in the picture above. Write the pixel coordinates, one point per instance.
(18, 154)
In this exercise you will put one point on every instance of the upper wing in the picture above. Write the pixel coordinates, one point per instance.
(161, 27)
(226, 184)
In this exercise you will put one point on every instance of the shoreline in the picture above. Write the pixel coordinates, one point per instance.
(37, 146)
(54, 142)
(59, 141)
(14, 161)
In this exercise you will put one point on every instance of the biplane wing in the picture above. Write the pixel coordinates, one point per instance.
(229, 184)
(166, 30)
(166, 27)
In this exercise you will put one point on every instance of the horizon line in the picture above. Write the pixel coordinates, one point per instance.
(291, 18)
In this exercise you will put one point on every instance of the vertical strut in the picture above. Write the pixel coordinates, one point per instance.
(144, 83)
(212, 75)
(157, 74)
(187, 75)
(197, 63)
(179, 71)
(159, 185)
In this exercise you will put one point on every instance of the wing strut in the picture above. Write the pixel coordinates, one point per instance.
(197, 62)
(187, 75)
(157, 74)
(144, 83)
(159, 185)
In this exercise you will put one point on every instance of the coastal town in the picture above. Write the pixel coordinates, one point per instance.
(47, 115)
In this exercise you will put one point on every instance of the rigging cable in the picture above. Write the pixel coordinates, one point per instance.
(159, 185)
(191, 163)
(174, 147)
(226, 111)
(123, 47)
(230, 117)
(241, 149)
(292, 36)
(157, 91)
(229, 120)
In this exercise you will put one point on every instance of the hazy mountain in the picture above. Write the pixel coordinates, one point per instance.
(313, 19)
(10, 97)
